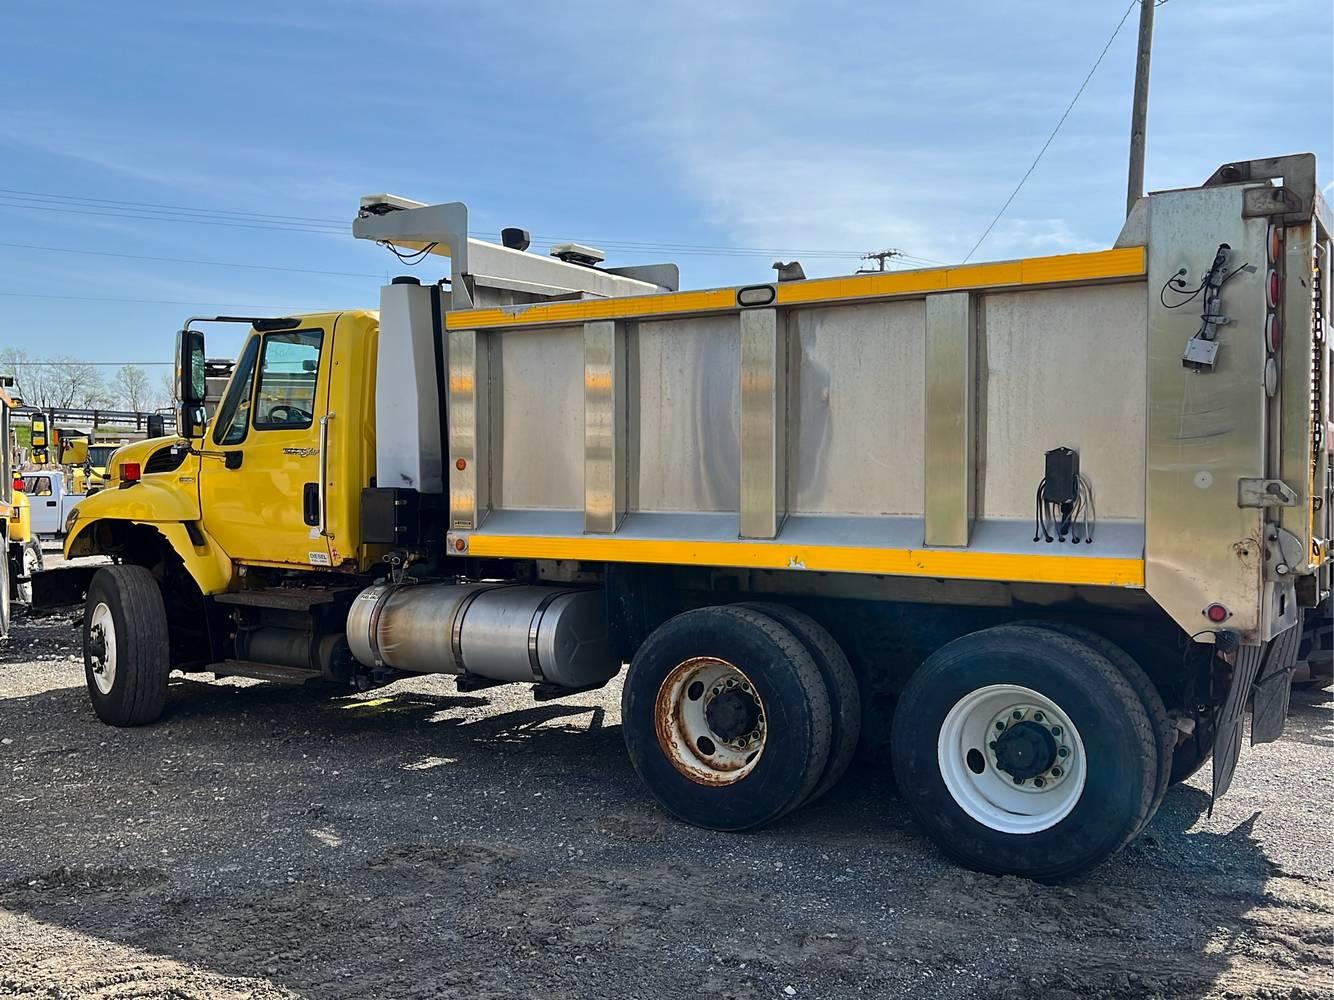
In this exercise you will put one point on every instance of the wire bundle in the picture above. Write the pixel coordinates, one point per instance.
(409, 257)
(1072, 519)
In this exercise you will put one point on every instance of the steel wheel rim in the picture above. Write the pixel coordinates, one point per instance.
(994, 796)
(710, 721)
(102, 628)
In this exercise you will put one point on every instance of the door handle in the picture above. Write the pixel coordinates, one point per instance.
(310, 504)
(50, 503)
(323, 520)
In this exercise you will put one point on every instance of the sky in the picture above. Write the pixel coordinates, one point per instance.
(727, 131)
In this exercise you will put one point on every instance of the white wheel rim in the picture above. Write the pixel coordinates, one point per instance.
(973, 734)
(710, 721)
(30, 566)
(102, 632)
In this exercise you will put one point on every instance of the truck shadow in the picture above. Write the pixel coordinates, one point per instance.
(417, 841)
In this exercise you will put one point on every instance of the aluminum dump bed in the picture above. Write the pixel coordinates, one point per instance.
(899, 424)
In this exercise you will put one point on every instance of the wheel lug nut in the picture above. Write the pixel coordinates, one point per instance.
(1038, 782)
(1056, 730)
(1017, 714)
(992, 744)
(1038, 716)
(1055, 772)
(1018, 781)
(1000, 725)
(1062, 752)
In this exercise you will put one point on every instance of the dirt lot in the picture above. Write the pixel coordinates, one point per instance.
(416, 842)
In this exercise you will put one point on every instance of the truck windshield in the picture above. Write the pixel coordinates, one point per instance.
(100, 455)
(234, 414)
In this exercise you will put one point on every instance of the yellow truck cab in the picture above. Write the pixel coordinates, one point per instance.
(247, 493)
(807, 513)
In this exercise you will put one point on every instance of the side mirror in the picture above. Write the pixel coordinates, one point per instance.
(157, 425)
(190, 383)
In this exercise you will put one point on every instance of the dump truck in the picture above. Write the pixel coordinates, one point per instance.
(1036, 531)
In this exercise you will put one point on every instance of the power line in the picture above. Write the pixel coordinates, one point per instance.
(1033, 165)
(91, 364)
(188, 260)
(154, 205)
(156, 302)
(110, 208)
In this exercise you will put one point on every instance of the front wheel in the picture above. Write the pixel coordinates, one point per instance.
(125, 646)
(1022, 751)
(4, 597)
(32, 563)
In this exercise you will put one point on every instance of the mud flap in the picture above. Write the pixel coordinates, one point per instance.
(1228, 724)
(1266, 672)
(1273, 686)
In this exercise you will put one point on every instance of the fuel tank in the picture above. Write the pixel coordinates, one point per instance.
(552, 635)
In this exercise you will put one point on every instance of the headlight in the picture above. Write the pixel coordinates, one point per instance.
(71, 519)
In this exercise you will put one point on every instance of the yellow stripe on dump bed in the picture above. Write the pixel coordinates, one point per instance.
(1104, 265)
(958, 564)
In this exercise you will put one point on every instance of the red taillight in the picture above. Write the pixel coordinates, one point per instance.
(130, 472)
(1217, 613)
(1273, 289)
(18, 483)
(1275, 244)
(1273, 333)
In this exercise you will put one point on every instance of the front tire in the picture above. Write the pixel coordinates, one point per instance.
(32, 563)
(726, 718)
(4, 596)
(1022, 751)
(125, 646)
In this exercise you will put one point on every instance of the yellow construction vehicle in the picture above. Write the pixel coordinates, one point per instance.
(23, 554)
(803, 511)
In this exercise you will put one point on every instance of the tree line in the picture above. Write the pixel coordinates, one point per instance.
(67, 382)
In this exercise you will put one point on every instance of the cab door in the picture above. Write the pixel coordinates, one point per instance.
(259, 480)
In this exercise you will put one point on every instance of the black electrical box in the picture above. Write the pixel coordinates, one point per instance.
(391, 517)
(1062, 484)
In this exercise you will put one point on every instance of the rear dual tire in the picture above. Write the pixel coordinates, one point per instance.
(727, 718)
(975, 740)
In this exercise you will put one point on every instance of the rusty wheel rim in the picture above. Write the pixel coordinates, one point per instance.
(710, 721)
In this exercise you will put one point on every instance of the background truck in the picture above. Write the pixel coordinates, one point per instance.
(51, 498)
(15, 529)
(1037, 529)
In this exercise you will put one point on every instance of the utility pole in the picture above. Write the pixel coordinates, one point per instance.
(880, 256)
(1140, 113)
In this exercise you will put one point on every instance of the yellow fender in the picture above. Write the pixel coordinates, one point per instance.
(170, 512)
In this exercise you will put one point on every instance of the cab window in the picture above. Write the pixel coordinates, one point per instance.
(233, 417)
(287, 373)
(37, 486)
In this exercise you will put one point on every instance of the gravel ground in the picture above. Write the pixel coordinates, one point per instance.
(417, 842)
